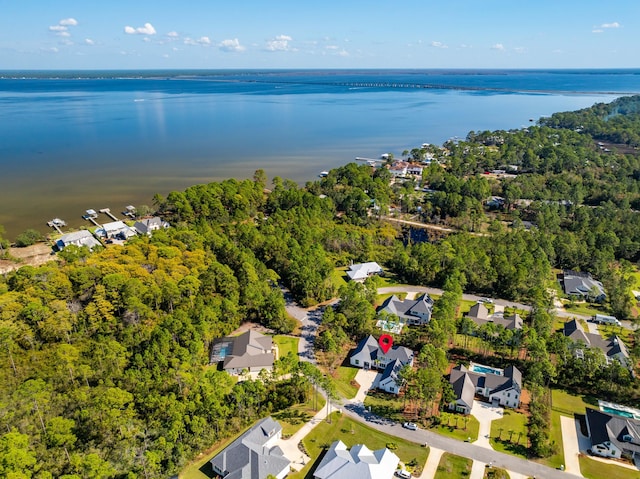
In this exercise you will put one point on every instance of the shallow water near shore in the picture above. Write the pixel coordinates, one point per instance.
(70, 144)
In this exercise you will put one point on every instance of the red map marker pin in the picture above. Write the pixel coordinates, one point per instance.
(385, 342)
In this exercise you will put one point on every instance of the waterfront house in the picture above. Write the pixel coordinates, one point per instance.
(358, 463)
(253, 455)
(250, 351)
(410, 311)
(116, 229)
(147, 225)
(77, 238)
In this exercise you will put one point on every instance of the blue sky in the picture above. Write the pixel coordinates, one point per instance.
(209, 34)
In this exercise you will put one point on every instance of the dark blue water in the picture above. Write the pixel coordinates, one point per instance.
(76, 140)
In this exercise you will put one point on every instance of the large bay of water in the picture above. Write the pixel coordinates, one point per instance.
(70, 141)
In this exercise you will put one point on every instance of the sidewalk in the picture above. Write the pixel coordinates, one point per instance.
(431, 466)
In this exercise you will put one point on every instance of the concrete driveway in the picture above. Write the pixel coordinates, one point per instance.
(485, 413)
(570, 444)
(367, 379)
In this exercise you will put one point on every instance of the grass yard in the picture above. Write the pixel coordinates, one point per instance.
(293, 418)
(457, 426)
(586, 309)
(385, 405)
(343, 380)
(454, 467)
(592, 469)
(286, 345)
(339, 276)
(509, 434)
(495, 473)
(352, 432)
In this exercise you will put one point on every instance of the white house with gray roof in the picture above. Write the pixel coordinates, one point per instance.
(582, 285)
(360, 272)
(613, 347)
(612, 435)
(369, 355)
(415, 312)
(254, 455)
(77, 238)
(499, 386)
(148, 225)
(250, 351)
(358, 463)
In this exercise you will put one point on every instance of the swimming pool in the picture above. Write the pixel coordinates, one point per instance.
(481, 369)
(619, 410)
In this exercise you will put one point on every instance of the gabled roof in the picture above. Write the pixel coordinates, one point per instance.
(250, 349)
(359, 463)
(479, 310)
(512, 378)
(363, 270)
(621, 431)
(370, 349)
(408, 308)
(392, 371)
(579, 283)
(463, 387)
(78, 238)
(610, 347)
(248, 457)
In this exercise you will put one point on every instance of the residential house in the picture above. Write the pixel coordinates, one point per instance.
(361, 271)
(77, 238)
(358, 463)
(410, 311)
(399, 169)
(250, 351)
(253, 455)
(583, 286)
(499, 386)
(613, 348)
(612, 435)
(116, 229)
(479, 314)
(369, 355)
(147, 225)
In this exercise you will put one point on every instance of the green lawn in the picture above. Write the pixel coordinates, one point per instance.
(385, 405)
(565, 404)
(339, 276)
(352, 432)
(509, 434)
(293, 418)
(457, 426)
(343, 378)
(454, 467)
(593, 469)
(586, 309)
(495, 473)
(286, 345)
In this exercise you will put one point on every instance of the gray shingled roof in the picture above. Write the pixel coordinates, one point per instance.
(479, 311)
(605, 427)
(463, 387)
(249, 350)
(408, 308)
(249, 458)
(610, 347)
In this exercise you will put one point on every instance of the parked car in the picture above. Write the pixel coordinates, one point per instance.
(485, 300)
(410, 425)
(403, 473)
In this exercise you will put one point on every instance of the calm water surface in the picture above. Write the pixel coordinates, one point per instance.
(71, 141)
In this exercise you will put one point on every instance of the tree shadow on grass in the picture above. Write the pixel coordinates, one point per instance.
(513, 448)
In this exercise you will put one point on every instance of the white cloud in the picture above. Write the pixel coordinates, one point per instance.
(204, 41)
(519, 49)
(610, 25)
(173, 34)
(438, 45)
(63, 34)
(279, 44)
(50, 50)
(88, 41)
(498, 46)
(69, 22)
(597, 30)
(57, 28)
(146, 29)
(231, 45)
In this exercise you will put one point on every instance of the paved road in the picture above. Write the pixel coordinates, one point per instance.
(464, 449)
(436, 291)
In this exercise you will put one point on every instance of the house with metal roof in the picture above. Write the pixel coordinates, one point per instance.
(612, 435)
(361, 271)
(77, 238)
(479, 314)
(360, 462)
(253, 455)
(410, 311)
(250, 351)
(116, 229)
(146, 226)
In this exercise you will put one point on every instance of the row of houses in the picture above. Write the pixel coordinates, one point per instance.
(109, 231)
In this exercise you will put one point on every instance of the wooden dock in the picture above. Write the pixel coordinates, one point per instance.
(91, 215)
(107, 212)
(56, 224)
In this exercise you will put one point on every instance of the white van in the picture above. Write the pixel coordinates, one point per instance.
(603, 319)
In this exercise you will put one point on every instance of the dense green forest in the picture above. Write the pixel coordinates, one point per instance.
(106, 354)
